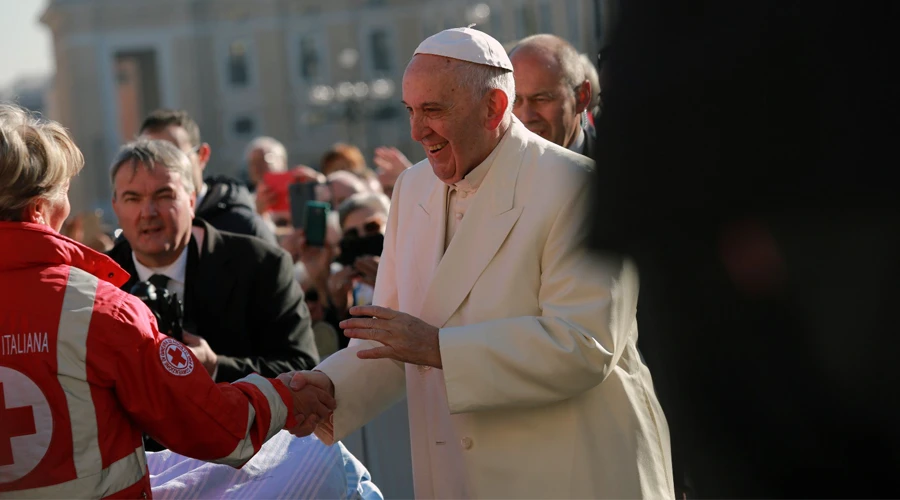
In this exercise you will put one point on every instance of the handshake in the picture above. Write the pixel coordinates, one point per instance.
(313, 398)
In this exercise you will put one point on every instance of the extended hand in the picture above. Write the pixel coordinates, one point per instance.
(391, 163)
(202, 350)
(405, 338)
(313, 395)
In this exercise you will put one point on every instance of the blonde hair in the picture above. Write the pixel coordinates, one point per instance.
(37, 160)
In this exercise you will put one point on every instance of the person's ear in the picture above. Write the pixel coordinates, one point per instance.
(203, 155)
(497, 102)
(583, 95)
(34, 212)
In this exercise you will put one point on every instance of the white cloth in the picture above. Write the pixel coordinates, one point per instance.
(542, 393)
(285, 467)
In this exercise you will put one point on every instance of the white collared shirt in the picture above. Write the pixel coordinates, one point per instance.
(202, 194)
(176, 271)
(578, 144)
(460, 196)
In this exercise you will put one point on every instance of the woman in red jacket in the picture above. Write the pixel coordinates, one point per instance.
(83, 369)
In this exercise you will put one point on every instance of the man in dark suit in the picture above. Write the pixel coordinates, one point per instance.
(222, 201)
(552, 91)
(243, 310)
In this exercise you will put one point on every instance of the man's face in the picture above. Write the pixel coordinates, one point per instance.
(544, 102)
(445, 118)
(154, 211)
(178, 136)
(260, 161)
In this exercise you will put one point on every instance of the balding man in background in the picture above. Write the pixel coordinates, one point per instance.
(552, 91)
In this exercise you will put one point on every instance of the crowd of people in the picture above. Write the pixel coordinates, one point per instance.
(311, 298)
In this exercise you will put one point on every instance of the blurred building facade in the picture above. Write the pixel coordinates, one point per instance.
(31, 93)
(266, 67)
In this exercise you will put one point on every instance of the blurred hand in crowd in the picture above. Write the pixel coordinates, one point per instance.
(202, 350)
(390, 164)
(367, 268)
(313, 398)
(266, 197)
(340, 286)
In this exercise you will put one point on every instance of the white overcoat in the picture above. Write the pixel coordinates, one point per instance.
(542, 393)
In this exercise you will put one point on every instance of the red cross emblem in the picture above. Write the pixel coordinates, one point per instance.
(26, 425)
(175, 357)
(14, 422)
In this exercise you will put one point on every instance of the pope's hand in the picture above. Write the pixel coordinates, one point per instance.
(405, 338)
(313, 395)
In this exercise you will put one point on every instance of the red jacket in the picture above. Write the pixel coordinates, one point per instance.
(83, 371)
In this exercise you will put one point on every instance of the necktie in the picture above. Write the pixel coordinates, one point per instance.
(159, 281)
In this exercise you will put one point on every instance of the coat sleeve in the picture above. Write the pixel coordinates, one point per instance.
(281, 321)
(243, 221)
(587, 310)
(365, 388)
(167, 393)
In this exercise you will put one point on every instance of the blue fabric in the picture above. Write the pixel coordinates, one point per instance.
(285, 467)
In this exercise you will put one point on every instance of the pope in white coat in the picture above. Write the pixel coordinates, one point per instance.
(515, 348)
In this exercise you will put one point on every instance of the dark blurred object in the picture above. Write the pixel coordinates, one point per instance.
(299, 194)
(316, 225)
(166, 307)
(741, 164)
(354, 246)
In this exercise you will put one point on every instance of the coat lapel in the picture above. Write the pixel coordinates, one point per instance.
(429, 221)
(208, 281)
(489, 220)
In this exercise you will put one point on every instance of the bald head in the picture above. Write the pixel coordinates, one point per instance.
(551, 87)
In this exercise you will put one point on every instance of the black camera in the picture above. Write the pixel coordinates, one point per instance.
(166, 307)
(353, 247)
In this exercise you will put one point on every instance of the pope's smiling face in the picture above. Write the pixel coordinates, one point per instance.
(454, 125)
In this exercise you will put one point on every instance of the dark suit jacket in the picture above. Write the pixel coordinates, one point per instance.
(228, 206)
(241, 296)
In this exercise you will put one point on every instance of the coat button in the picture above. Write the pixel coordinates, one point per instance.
(423, 368)
(466, 443)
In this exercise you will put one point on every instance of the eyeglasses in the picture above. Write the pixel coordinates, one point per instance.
(369, 228)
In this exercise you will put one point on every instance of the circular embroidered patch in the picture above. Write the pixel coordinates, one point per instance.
(176, 358)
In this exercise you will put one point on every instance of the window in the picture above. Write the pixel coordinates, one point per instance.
(546, 19)
(572, 10)
(497, 25)
(310, 64)
(244, 126)
(527, 24)
(238, 66)
(381, 51)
